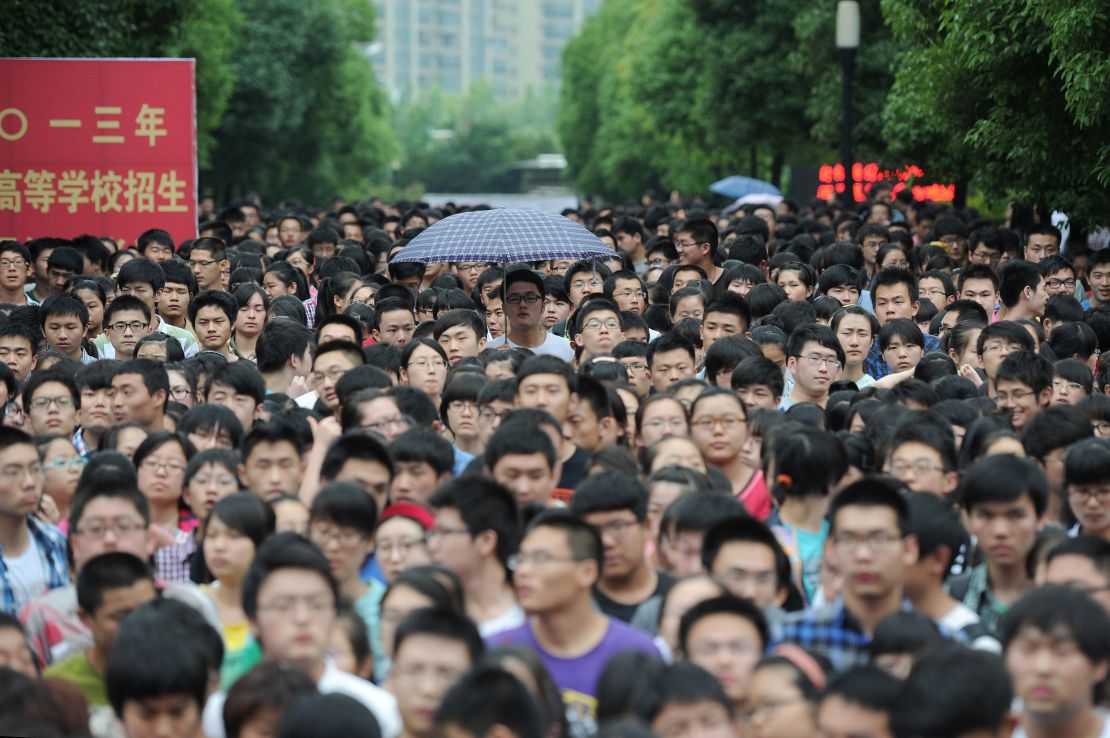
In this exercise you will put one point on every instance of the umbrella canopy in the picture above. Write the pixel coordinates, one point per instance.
(764, 199)
(502, 236)
(737, 187)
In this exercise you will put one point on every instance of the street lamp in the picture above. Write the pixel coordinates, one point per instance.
(847, 41)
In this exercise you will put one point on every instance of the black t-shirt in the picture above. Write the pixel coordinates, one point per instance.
(625, 612)
(574, 468)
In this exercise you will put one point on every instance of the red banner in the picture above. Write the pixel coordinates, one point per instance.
(832, 180)
(99, 146)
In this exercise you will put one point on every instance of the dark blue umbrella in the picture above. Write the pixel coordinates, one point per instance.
(737, 187)
(502, 236)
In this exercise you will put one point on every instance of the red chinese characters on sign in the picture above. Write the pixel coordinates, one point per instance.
(99, 146)
(831, 181)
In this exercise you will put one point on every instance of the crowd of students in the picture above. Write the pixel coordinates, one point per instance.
(785, 472)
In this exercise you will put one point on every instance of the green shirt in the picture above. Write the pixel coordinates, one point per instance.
(78, 671)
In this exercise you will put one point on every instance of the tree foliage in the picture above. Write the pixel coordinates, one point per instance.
(205, 29)
(1014, 95)
(470, 142)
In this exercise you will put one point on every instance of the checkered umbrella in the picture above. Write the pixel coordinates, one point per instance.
(502, 236)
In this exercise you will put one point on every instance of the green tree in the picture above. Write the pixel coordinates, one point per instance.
(207, 30)
(1011, 94)
(306, 118)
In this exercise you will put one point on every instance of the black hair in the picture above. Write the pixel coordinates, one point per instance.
(953, 691)
(872, 491)
(332, 715)
(1087, 462)
(682, 683)
(156, 654)
(245, 513)
(242, 377)
(423, 445)
(441, 623)
(1073, 340)
(518, 438)
(208, 418)
(1027, 368)
(905, 632)
(488, 696)
(284, 551)
(38, 379)
(758, 370)
(807, 462)
(609, 491)
(1008, 331)
(483, 505)
(746, 530)
(1049, 608)
(279, 341)
(1054, 427)
(726, 604)
(699, 511)
(272, 685)
(214, 298)
(1002, 478)
(626, 676)
(112, 570)
(355, 444)
(892, 277)
(866, 686)
(65, 306)
(1014, 277)
(926, 428)
(823, 336)
(346, 504)
(582, 539)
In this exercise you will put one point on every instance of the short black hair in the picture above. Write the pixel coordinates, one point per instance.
(741, 528)
(758, 370)
(1055, 427)
(272, 432)
(610, 491)
(142, 271)
(345, 504)
(207, 418)
(423, 445)
(441, 623)
(682, 683)
(38, 379)
(488, 696)
(1014, 277)
(126, 302)
(894, 276)
(155, 377)
(518, 438)
(872, 491)
(65, 306)
(866, 686)
(217, 298)
(279, 341)
(355, 444)
(584, 542)
(483, 505)
(112, 570)
(285, 550)
(935, 524)
(953, 691)
(1088, 462)
(669, 342)
(242, 377)
(272, 685)
(1026, 367)
(1051, 607)
(1002, 478)
(726, 604)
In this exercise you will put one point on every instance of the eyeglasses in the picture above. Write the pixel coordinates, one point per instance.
(628, 294)
(708, 649)
(609, 325)
(470, 267)
(538, 559)
(427, 364)
(202, 263)
(170, 467)
(1015, 395)
(830, 361)
(12, 263)
(659, 423)
(875, 542)
(1101, 495)
(76, 462)
(487, 413)
(616, 529)
(119, 529)
(921, 466)
(436, 533)
(41, 403)
(315, 604)
(1055, 284)
(578, 284)
(134, 326)
(531, 299)
(401, 547)
(318, 378)
(321, 535)
(637, 368)
(179, 393)
(727, 422)
(682, 245)
(13, 410)
(381, 426)
(459, 406)
(417, 673)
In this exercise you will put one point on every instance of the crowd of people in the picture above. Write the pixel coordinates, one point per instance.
(784, 471)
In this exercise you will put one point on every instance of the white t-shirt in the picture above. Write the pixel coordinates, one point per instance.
(27, 575)
(552, 346)
(511, 618)
(333, 681)
(1019, 732)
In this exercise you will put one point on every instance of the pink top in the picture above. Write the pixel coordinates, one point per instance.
(756, 498)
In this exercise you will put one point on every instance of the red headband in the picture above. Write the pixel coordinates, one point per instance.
(414, 512)
(805, 663)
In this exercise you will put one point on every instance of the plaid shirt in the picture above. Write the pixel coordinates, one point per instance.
(831, 631)
(980, 597)
(50, 544)
(173, 561)
(310, 311)
(875, 366)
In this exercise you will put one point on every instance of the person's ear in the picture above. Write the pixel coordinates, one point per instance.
(1045, 396)
(780, 595)
(951, 482)
(910, 550)
(85, 618)
(486, 542)
(242, 474)
(481, 344)
(578, 341)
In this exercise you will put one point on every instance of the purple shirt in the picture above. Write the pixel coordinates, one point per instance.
(577, 677)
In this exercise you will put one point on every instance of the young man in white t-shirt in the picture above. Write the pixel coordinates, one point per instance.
(523, 301)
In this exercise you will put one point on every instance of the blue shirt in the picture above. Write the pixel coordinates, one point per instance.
(875, 366)
(50, 543)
